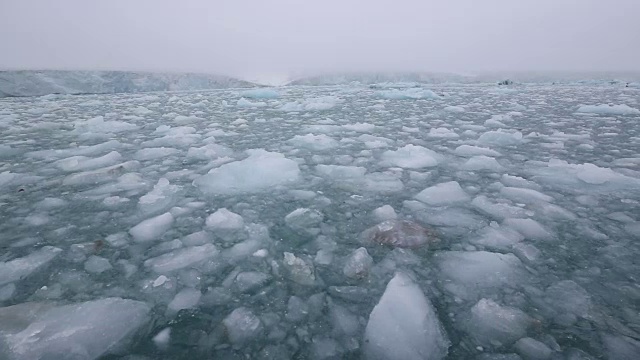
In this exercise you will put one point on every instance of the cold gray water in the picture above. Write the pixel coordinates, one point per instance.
(227, 224)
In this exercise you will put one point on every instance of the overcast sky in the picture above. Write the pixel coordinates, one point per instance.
(247, 37)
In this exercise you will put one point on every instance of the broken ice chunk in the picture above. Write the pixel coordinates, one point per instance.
(242, 327)
(492, 325)
(399, 233)
(297, 309)
(153, 228)
(181, 258)
(443, 194)
(482, 162)
(470, 274)
(261, 171)
(161, 198)
(227, 225)
(97, 265)
(529, 228)
(17, 269)
(404, 325)
(250, 281)
(358, 264)
(187, 298)
(410, 157)
(299, 270)
(86, 330)
(532, 349)
(385, 212)
(305, 221)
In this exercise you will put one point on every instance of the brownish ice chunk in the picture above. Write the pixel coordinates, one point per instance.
(399, 233)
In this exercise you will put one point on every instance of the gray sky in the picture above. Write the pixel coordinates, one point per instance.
(243, 37)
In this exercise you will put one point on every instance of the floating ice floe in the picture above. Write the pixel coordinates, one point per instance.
(86, 330)
(411, 157)
(605, 109)
(261, 171)
(314, 142)
(443, 194)
(404, 325)
(408, 94)
(500, 138)
(263, 93)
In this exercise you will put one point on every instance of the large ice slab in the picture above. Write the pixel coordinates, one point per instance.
(261, 171)
(313, 142)
(468, 275)
(500, 138)
(493, 325)
(407, 94)
(443, 194)
(411, 157)
(604, 109)
(181, 258)
(560, 173)
(404, 325)
(20, 268)
(153, 228)
(77, 331)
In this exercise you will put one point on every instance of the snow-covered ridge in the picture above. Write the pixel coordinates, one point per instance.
(37, 83)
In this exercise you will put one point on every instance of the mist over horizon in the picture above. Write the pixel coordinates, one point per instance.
(284, 38)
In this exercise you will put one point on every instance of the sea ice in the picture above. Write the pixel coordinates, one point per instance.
(20, 268)
(263, 93)
(468, 275)
(314, 142)
(404, 325)
(407, 94)
(242, 327)
(181, 258)
(469, 150)
(442, 133)
(482, 162)
(86, 330)
(358, 264)
(443, 194)
(187, 298)
(605, 109)
(410, 157)
(261, 171)
(500, 138)
(493, 325)
(153, 228)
